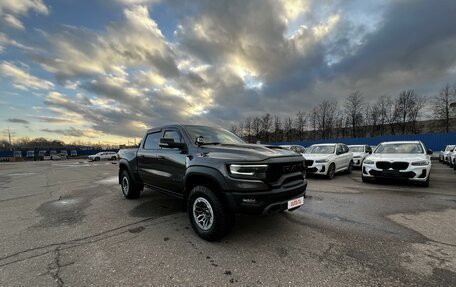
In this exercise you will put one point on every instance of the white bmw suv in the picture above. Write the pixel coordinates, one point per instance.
(360, 152)
(443, 156)
(406, 160)
(327, 159)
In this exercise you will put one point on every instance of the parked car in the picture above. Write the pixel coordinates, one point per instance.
(215, 173)
(452, 157)
(445, 151)
(17, 154)
(447, 154)
(360, 152)
(328, 159)
(64, 152)
(296, 148)
(74, 153)
(30, 154)
(405, 160)
(109, 155)
(58, 156)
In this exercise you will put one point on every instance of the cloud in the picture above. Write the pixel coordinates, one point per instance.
(135, 41)
(55, 120)
(72, 132)
(10, 10)
(18, 121)
(229, 59)
(22, 79)
(5, 41)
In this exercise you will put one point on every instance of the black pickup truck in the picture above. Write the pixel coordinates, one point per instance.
(216, 174)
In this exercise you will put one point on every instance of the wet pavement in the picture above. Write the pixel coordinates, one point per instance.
(65, 223)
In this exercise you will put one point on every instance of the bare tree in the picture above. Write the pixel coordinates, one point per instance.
(441, 106)
(415, 112)
(314, 121)
(326, 115)
(266, 124)
(256, 126)
(287, 128)
(241, 129)
(300, 124)
(353, 108)
(248, 128)
(385, 107)
(234, 129)
(277, 123)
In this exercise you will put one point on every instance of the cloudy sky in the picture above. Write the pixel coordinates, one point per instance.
(101, 70)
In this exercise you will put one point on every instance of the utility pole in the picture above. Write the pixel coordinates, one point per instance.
(9, 138)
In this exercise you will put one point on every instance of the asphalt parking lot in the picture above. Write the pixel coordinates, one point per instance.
(65, 223)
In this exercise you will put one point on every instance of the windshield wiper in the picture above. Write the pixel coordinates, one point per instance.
(213, 143)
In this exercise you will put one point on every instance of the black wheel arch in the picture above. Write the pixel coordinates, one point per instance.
(124, 165)
(200, 175)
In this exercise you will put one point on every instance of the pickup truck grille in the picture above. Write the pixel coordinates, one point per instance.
(399, 165)
(277, 170)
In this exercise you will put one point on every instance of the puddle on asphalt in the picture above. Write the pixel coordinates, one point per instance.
(67, 210)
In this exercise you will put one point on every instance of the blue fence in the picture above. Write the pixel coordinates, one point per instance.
(435, 142)
(80, 152)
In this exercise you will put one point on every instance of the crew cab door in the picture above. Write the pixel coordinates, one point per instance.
(149, 160)
(172, 165)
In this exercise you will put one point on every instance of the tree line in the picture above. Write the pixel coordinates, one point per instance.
(353, 117)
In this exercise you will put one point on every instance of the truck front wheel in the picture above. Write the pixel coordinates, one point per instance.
(210, 219)
(129, 188)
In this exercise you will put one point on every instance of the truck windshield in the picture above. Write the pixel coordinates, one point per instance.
(212, 135)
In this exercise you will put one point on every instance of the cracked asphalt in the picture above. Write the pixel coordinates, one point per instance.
(65, 223)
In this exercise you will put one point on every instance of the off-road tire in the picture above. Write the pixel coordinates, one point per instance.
(129, 189)
(223, 217)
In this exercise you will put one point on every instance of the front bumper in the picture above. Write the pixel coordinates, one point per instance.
(318, 168)
(412, 173)
(357, 161)
(268, 201)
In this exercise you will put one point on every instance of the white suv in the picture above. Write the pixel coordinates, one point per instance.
(444, 153)
(110, 155)
(452, 157)
(360, 152)
(327, 159)
(407, 160)
(296, 148)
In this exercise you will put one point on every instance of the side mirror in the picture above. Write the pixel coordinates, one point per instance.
(170, 143)
(429, 151)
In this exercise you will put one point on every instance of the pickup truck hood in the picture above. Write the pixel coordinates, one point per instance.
(245, 152)
(315, 156)
(398, 157)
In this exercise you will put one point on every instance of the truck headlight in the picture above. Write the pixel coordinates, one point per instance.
(248, 169)
(321, 160)
(368, 161)
(420, 163)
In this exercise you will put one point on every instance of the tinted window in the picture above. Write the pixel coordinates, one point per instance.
(152, 141)
(213, 135)
(368, 149)
(173, 134)
(413, 148)
(320, 149)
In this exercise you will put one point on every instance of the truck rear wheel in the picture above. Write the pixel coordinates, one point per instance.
(129, 188)
(210, 219)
